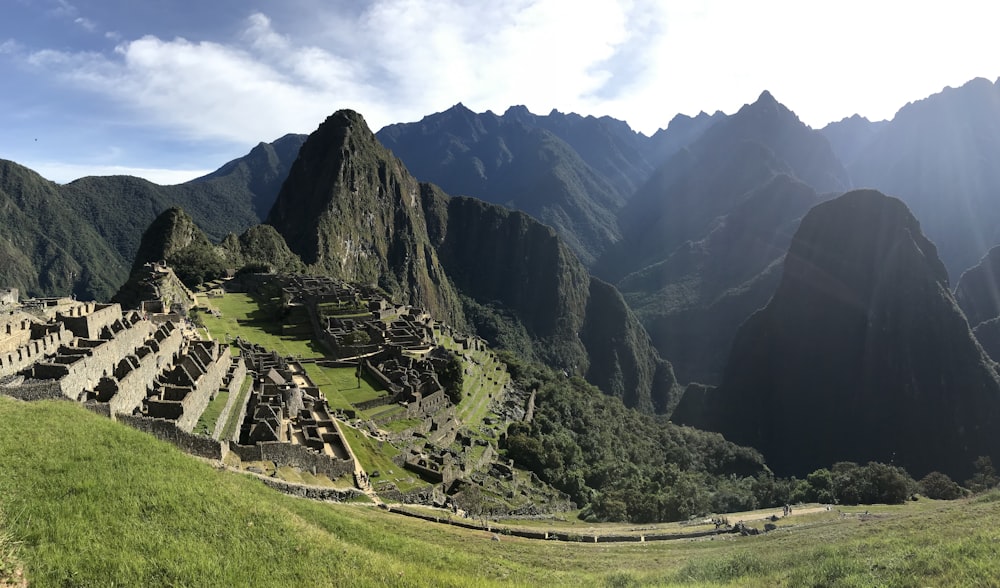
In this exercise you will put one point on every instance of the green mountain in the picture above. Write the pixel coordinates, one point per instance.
(44, 248)
(861, 355)
(81, 237)
(174, 238)
(514, 161)
(350, 209)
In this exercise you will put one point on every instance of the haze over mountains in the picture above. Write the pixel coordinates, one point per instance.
(650, 258)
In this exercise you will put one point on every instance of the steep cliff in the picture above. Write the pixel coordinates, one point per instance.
(351, 210)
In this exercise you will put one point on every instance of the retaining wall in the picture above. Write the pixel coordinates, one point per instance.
(165, 430)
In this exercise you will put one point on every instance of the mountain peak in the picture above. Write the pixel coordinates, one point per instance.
(864, 330)
(766, 98)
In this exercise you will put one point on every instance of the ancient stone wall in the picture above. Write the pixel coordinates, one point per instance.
(166, 431)
(33, 351)
(8, 296)
(85, 373)
(299, 456)
(132, 387)
(311, 492)
(89, 319)
(15, 330)
(205, 388)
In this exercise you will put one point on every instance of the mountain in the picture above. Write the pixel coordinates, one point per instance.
(229, 200)
(862, 354)
(350, 209)
(44, 248)
(258, 174)
(174, 237)
(681, 131)
(850, 136)
(978, 290)
(81, 237)
(693, 301)
(978, 295)
(939, 156)
(569, 171)
(508, 160)
(704, 235)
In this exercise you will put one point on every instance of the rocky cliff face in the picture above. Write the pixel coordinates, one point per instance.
(978, 290)
(351, 210)
(862, 354)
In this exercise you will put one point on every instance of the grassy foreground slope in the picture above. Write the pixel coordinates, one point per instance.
(93, 503)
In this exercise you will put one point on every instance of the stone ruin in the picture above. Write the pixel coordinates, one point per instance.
(287, 419)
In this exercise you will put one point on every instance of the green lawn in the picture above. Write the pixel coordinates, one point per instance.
(340, 385)
(243, 317)
(376, 455)
(90, 502)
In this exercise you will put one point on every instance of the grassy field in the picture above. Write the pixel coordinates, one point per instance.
(241, 316)
(93, 503)
(478, 390)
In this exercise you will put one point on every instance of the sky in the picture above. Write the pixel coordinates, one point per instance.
(172, 89)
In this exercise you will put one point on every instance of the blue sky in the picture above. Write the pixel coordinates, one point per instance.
(171, 89)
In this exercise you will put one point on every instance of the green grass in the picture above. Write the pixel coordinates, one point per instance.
(340, 385)
(401, 425)
(208, 418)
(242, 316)
(90, 502)
(233, 422)
(375, 458)
(10, 565)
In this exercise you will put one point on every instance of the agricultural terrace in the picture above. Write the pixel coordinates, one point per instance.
(484, 379)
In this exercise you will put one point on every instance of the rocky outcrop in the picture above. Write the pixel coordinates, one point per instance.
(862, 354)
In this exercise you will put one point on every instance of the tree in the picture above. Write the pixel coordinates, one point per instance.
(985, 476)
(450, 374)
(940, 487)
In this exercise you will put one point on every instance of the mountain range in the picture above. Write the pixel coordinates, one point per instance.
(616, 256)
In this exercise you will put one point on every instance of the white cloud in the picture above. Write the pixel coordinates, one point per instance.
(407, 58)
(638, 60)
(85, 23)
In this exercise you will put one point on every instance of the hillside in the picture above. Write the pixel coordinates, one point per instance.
(516, 160)
(118, 489)
(862, 354)
(704, 234)
(44, 248)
